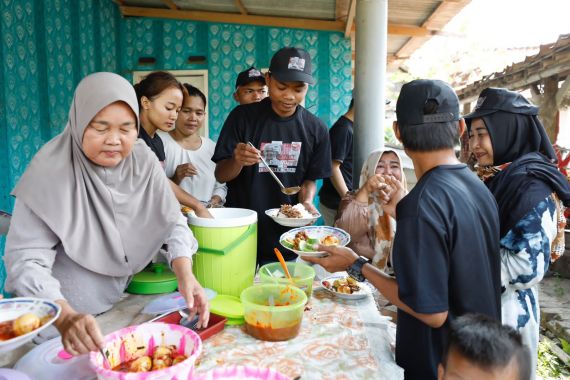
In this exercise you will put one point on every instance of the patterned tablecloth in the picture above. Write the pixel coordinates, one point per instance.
(339, 339)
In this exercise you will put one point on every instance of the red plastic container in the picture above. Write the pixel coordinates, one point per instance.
(215, 324)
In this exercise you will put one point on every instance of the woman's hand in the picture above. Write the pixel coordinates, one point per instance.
(391, 193)
(183, 171)
(79, 332)
(192, 291)
(202, 212)
(215, 201)
(339, 258)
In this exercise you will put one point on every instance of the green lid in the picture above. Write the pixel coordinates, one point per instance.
(154, 279)
(234, 321)
(227, 306)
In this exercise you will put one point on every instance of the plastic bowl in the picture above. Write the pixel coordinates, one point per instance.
(135, 341)
(303, 275)
(273, 323)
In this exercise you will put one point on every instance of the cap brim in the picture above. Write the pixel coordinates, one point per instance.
(252, 79)
(293, 76)
(477, 114)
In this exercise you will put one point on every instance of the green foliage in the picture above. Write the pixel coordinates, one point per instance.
(549, 365)
(565, 346)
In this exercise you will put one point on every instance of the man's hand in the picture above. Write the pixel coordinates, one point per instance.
(246, 155)
(339, 258)
(79, 332)
(192, 291)
(183, 171)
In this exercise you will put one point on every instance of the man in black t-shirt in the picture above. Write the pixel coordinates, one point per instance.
(293, 141)
(446, 248)
(250, 86)
(340, 182)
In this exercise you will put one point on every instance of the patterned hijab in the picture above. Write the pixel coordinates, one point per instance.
(382, 227)
(113, 220)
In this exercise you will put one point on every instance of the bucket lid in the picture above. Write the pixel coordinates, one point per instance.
(12, 374)
(156, 278)
(227, 306)
(225, 217)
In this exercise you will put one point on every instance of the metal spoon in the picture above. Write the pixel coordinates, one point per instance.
(285, 190)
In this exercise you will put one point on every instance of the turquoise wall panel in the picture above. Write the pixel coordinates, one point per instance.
(47, 46)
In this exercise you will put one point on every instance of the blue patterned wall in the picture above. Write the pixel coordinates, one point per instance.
(47, 46)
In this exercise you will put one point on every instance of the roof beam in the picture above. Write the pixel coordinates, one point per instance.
(240, 6)
(170, 4)
(350, 18)
(234, 18)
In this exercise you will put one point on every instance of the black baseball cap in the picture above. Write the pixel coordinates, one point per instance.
(250, 75)
(415, 94)
(291, 64)
(493, 99)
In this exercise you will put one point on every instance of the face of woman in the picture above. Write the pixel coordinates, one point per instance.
(389, 164)
(480, 143)
(192, 116)
(110, 135)
(162, 110)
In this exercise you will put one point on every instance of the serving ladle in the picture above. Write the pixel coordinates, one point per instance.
(285, 190)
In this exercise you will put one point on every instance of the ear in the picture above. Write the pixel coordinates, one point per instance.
(236, 95)
(396, 130)
(267, 78)
(462, 127)
(145, 102)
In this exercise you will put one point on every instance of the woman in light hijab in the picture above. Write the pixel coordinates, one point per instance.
(360, 214)
(516, 160)
(92, 209)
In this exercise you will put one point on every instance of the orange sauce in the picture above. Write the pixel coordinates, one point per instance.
(271, 334)
(6, 330)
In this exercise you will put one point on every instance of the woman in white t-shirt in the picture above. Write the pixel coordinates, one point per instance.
(189, 156)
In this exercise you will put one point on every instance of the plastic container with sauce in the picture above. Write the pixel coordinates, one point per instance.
(279, 322)
(303, 275)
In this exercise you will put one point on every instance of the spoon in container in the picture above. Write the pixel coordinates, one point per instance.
(283, 264)
(285, 190)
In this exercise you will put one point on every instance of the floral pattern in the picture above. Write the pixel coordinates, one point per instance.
(335, 342)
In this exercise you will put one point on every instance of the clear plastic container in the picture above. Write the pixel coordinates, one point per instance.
(303, 275)
(273, 312)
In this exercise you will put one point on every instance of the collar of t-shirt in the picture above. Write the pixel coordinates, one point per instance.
(154, 143)
(267, 103)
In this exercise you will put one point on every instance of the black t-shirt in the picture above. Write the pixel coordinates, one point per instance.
(297, 148)
(446, 258)
(154, 143)
(341, 150)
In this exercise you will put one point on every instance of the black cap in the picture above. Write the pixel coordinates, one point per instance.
(415, 94)
(250, 75)
(290, 64)
(492, 100)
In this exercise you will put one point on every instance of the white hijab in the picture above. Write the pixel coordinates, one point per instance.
(109, 220)
(382, 227)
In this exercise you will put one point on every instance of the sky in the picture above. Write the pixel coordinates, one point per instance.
(495, 33)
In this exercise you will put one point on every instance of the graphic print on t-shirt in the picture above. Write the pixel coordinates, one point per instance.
(282, 157)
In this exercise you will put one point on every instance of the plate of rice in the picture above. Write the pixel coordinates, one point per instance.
(292, 216)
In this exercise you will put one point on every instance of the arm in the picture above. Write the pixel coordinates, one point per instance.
(188, 200)
(30, 255)
(181, 247)
(307, 195)
(220, 192)
(340, 258)
(337, 179)
(243, 155)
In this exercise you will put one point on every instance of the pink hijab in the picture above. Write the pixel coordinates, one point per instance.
(111, 221)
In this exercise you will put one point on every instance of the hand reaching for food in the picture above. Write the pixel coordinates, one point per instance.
(338, 260)
(79, 332)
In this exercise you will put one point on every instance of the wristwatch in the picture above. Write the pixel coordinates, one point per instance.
(355, 270)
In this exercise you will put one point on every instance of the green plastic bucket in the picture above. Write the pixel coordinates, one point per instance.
(227, 249)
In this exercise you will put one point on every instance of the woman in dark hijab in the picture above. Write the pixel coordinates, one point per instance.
(516, 161)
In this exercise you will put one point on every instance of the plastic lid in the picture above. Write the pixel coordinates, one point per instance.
(157, 278)
(12, 374)
(171, 302)
(227, 306)
(225, 217)
(234, 321)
